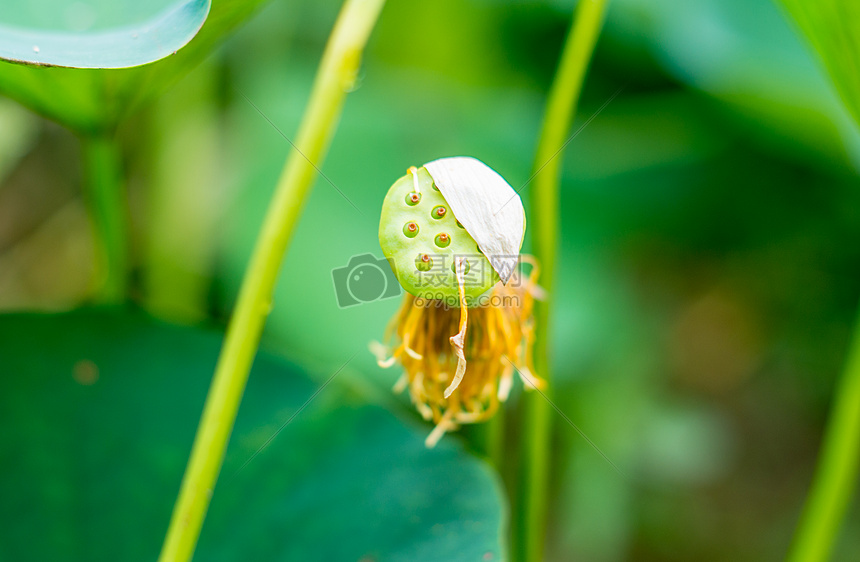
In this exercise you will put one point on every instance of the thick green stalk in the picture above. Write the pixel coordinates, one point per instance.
(105, 193)
(335, 78)
(174, 277)
(837, 471)
(530, 517)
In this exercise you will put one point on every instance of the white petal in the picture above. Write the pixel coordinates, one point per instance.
(487, 207)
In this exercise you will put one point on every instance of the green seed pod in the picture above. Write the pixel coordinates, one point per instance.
(423, 256)
(422, 234)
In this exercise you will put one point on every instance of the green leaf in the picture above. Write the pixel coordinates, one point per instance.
(92, 99)
(122, 47)
(833, 29)
(99, 410)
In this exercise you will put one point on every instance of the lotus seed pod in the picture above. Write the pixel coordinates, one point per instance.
(428, 221)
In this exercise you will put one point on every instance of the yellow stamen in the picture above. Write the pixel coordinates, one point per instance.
(414, 171)
(459, 339)
(438, 431)
(482, 360)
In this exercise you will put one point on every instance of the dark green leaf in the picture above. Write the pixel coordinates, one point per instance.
(99, 410)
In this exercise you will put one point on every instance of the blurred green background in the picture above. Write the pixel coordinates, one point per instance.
(710, 218)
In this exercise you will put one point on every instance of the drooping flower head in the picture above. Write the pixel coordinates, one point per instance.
(452, 231)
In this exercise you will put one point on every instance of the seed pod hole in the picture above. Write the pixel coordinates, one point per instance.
(410, 229)
(438, 212)
(423, 262)
(443, 240)
(460, 225)
(413, 199)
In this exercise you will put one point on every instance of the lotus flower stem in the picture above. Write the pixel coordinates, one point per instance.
(838, 462)
(105, 194)
(335, 77)
(529, 519)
